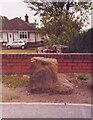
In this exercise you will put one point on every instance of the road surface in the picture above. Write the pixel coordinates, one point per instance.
(47, 110)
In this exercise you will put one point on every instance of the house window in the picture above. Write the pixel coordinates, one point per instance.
(28, 34)
(23, 35)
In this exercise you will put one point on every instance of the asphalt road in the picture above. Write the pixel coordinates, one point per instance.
(37, 110)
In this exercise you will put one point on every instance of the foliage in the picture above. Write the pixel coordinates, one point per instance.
(83, 77)
(53, 10)
(62, 21)
(46, 7)
(83, 42)
(14, 81)
(61, 31)
(3, 19)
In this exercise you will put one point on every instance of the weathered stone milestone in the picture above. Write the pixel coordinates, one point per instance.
(44, 77)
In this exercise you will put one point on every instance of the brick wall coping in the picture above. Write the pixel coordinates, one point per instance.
(52, 53)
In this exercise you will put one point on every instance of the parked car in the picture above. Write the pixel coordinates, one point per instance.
(16, 44)
(53, 49)
(61, 48)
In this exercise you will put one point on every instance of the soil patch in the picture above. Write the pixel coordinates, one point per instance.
(81, 94)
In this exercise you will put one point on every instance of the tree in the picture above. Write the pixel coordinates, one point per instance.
(84, 42)
(62, 21)
(3, 19)
(60, 31)
(55, 9)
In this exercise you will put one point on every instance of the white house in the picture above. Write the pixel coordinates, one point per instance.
(16, 29)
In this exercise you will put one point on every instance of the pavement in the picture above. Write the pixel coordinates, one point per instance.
(45, 110)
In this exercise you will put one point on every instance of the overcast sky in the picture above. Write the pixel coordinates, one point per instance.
(16, 8)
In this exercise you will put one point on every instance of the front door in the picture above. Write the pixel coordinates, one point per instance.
(10, 37)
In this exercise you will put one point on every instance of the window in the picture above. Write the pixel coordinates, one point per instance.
(20, 42)
(28, 34)
(23, 35)
(15, 42)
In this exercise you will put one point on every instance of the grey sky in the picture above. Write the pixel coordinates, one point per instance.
(16, 8)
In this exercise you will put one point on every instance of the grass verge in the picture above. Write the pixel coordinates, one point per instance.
(15, 81)
(33, 50)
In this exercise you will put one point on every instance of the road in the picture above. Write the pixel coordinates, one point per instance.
(48, 110)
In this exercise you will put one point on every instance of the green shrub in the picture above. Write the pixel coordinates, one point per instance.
(83, 77)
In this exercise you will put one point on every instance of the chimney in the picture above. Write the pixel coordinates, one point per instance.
(26, 18)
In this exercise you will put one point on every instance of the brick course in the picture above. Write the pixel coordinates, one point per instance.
(67, 62)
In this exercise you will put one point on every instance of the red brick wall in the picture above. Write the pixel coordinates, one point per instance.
(67, 62)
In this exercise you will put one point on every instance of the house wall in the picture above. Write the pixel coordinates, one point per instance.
(1, 40)
(4, 37)
(32, 37)
(38, 37)
(16, 36)
(7, 38)
(67, 62)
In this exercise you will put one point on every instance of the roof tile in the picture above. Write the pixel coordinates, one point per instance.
(17, 24)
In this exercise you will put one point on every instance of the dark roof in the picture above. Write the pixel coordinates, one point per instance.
(17, 24)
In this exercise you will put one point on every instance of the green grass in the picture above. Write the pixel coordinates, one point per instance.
(83, 77)
(14, 81)
(18, 51)
(12, 97)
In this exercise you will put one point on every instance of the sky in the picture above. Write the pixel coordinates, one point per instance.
(16, 8)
